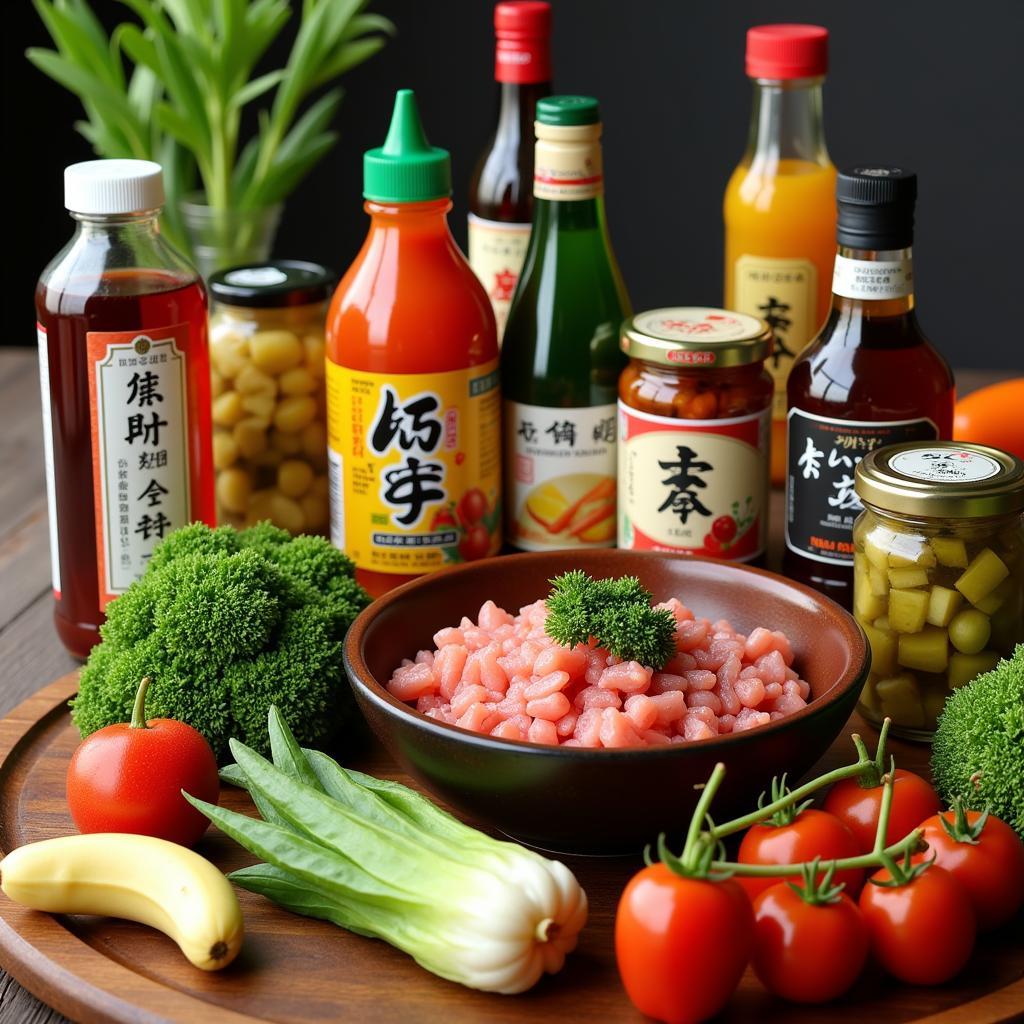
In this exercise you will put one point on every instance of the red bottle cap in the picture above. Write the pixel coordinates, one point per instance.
(523, 51)
(787, 51)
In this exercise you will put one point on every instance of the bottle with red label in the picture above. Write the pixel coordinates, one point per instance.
(413, 405)
(694, 423)
(868, 380)
(501, 190)
(125, 375)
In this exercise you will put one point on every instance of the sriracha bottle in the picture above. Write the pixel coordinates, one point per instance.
(413, 405)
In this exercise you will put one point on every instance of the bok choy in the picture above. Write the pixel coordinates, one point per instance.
(377, 858)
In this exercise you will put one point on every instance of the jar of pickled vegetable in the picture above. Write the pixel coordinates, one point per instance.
(694, 426)
(938, 582)
(269, 403)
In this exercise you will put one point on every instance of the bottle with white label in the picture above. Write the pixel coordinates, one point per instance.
(869, 379)
(125, 374)
(501, 190)
(560, 361)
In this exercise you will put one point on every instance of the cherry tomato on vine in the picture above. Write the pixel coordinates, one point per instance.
(913, 800)
(922, 932)
(724, 528)
(472, 507)
(475, 544)
(988, 861)
(712, 543)
(810, 834)
(807, 952)
(681, 944)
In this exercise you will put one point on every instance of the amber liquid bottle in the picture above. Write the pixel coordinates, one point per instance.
(501, 189)
(869, 379)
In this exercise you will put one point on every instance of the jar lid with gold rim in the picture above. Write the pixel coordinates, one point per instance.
(942, 480)
(696, 336)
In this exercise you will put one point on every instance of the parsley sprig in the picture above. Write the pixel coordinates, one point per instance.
(616, 612)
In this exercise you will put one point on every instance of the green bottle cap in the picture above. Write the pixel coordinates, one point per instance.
(568, 110)
(406, 169)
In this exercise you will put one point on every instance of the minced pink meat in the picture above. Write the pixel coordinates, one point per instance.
(503, 675)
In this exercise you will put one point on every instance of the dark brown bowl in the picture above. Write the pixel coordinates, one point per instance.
(604, 801)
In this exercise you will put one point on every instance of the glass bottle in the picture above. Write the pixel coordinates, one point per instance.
(780, 204)
(413, 407)
(869, 379)
(561, 359)
(501, 189)
(125, 376)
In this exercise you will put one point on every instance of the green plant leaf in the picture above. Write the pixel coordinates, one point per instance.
(349, 56)
(284, 175)
(362, 24)
(257, 87)
(78, 44)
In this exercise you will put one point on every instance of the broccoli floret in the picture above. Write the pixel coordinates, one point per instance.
(225, 624)
(978, 748)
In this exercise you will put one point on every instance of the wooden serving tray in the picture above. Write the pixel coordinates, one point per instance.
(295, 969)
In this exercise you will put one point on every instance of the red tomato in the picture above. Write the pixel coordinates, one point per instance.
(811, 834)
(913, 800)
(990, 869)
(808, 953)
(442, 517)
(129, 778)
(476, 543)
(681, 943)
(472, 507)
(712, 543)
(724, 528)
(922, 932)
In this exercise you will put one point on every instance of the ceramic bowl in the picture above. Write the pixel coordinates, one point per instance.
(603, 801)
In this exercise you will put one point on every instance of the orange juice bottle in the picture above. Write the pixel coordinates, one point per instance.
(780, 205)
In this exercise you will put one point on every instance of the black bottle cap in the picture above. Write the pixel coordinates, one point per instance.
(276, 283)
(876, 207)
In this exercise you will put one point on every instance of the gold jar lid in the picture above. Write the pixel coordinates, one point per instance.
(696, 336)
(942, 480)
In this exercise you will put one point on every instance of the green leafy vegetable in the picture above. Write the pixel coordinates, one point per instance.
(978, 748)
(194, 70)
(379, 859)
(227, 623)
(616, 612)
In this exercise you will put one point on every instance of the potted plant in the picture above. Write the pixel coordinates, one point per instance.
(172, 87)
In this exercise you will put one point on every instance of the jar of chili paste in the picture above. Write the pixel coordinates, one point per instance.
(694, 427)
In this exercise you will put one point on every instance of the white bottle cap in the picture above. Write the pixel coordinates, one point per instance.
(113, 186)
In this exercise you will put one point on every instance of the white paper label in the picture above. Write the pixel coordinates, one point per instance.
(873, 279)
(138, 399)
(560, 469)
(945, 465)
(51, 492)
(496, 253)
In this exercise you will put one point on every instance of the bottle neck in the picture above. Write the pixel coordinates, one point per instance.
(787, 123)
(123, 227)
(425, 219)
(873, 282)
(516, 110)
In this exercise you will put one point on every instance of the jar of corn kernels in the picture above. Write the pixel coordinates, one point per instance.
(269, 402)
(938, 573)
(694, 420)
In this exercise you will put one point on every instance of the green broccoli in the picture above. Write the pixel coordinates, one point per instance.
(978, 748)
(227, 623)
(616, 612)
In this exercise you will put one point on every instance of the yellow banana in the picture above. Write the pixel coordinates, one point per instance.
(136, 877)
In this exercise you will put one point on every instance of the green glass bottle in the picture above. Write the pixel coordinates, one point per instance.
(560, 360)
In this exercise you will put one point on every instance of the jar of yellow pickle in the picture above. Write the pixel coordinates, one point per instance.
(938, 573)
(267, 387)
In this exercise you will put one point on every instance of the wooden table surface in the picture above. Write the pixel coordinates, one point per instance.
(30, 653)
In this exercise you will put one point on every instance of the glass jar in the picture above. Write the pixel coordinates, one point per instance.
(694, 426)
(938, 582)
(269, 401)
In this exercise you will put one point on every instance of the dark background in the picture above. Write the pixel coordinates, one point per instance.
(931, 86)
